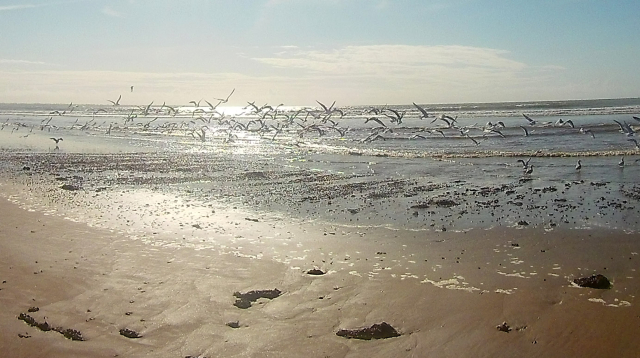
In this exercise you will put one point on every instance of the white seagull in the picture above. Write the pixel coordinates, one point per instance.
(116, 103)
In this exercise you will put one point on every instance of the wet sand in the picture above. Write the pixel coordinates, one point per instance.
(445, 292)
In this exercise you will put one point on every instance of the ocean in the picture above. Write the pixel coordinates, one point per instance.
(459, 168)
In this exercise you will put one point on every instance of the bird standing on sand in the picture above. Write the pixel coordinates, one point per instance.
(578, 165)
(621, 162)
(57, 140)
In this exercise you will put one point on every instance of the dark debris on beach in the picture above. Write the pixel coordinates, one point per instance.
(376, 331)
(69, 333)
(244, 300)
(594, 281)
(129, 333)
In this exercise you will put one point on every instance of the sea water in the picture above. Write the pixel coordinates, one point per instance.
(299, 160)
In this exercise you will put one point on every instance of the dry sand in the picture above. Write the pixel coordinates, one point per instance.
(445, 292)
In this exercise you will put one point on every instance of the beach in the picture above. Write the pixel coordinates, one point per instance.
(100, 258)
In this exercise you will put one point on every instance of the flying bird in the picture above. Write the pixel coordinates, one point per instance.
(375, 119)
(423, 112)
(397, 115)
(525, 164)
(225, 100)
(473, 140)
(587, 131)
(531, 121)
(57, 140)
(116, 103)
(528, 170)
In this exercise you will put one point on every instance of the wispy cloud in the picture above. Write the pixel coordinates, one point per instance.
(398, 72)
(16, 7)
(352, 75)
(394, 59)
(110, 12)
(33, 6)
(21, 62)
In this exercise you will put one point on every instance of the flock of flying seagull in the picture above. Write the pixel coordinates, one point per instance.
(269, 121)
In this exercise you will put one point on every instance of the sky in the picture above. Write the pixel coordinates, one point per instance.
(354, 52)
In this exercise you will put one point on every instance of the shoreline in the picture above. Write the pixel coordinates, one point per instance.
(312, 191)
(445, 292)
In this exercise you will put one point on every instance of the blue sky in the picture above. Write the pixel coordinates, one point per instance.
(297, 51)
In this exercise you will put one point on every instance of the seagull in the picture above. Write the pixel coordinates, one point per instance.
(442, 118)
(528, 170)
(415, 136)
(225, 100)
(526, 132)
(561, 123)
(621, 162)
(146, 110)
(524, 164)
(170, 109)
(531, 121)
(448, 119)
(327, 110)
(625, 128)
(57, 140)
(491, 130)
(253, 105)
(587, 131)
(397, 118)
(578, 165)
(201, 135)
(498, 124)
(375, 119)
(474, 141)
(423, 112)
(211, 106)
(116, 103)
(372, 137)
(635, 142)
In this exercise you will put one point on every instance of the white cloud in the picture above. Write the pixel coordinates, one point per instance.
(16, 7)
(21, 62)
(394, 74)
(403, 73)
(395, 60)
